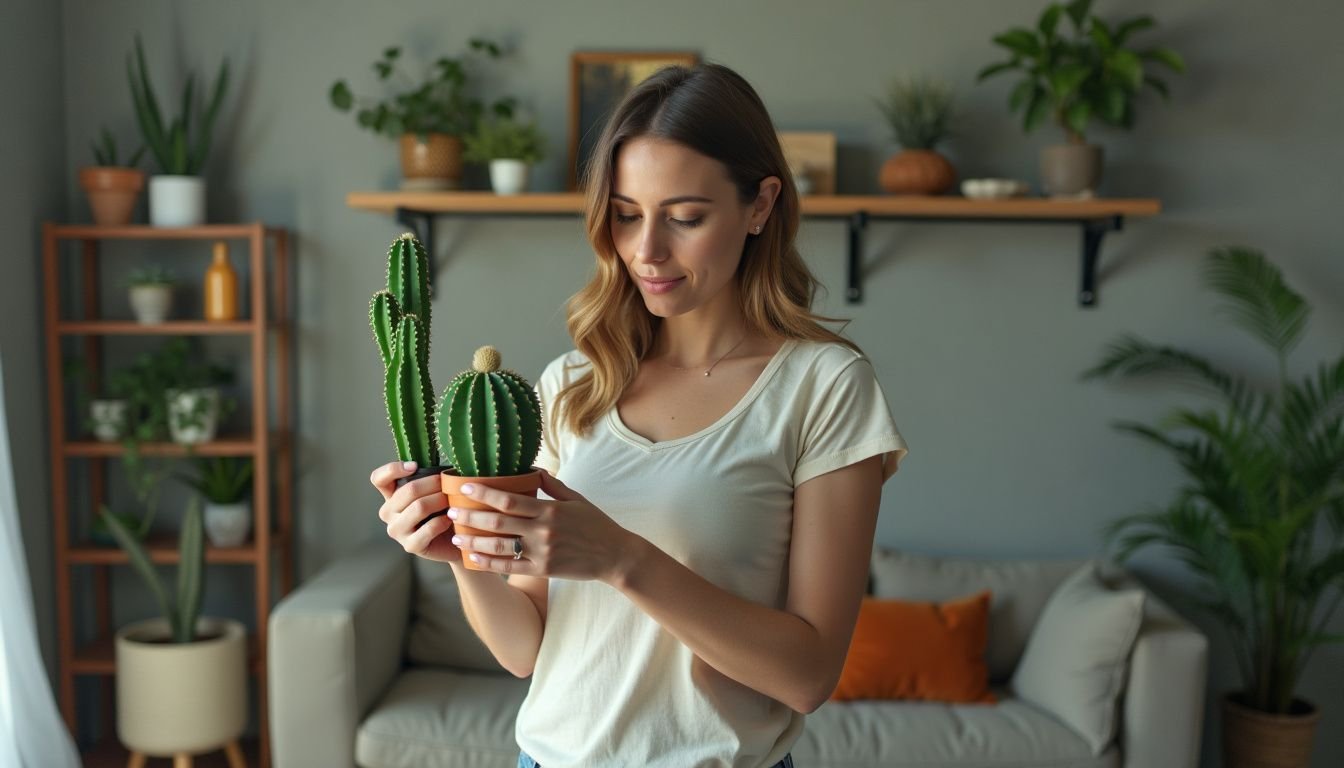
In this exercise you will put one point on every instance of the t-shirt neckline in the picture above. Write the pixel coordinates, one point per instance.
(639, 441)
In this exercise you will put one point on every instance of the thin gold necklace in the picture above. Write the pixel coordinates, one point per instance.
(711, 365)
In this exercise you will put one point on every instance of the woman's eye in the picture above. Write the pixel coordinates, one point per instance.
(687, 223)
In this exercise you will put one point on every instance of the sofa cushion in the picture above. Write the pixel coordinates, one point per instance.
(918, 650)
(442, 717)
(439, 634)
(1020, 590)
(1075, 662)
(924, 734)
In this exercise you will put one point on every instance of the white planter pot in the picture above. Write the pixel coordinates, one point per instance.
(176, 201)
(228, 525)
(193, 415)
(151, 303)
(181, 697)
(109, 419)
(508, 177)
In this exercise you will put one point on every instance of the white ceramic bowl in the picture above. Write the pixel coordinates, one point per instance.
(992, 189)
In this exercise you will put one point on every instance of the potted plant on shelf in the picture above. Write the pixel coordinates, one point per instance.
(195, 403)
(104, 409)
(399, 316)
(1266, 475)
(509, 147)
(490, 440)
(181, 678)
(1075, 79)
(112, 188)
(225, 483)
(179, 144)
(919, 111)
(151, 294)
(429, 116)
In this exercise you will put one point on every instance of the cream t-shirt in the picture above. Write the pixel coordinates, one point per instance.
(611, 687)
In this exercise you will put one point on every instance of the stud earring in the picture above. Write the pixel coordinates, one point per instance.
(757, 230)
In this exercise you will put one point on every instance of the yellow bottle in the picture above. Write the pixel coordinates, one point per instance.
(221, 286)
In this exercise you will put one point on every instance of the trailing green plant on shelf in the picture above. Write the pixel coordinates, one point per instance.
(918, 110)
(1073, 79)
(220, 479)
(183, 607)
(489, 419)
(399, 316)
(437, 102)
(105, 151)
(1260, 518)
(504, 138)
(180, 143)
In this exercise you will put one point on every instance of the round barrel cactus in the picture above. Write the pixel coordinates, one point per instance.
(489, 420)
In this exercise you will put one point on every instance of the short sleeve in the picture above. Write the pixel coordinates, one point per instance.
(847, 422)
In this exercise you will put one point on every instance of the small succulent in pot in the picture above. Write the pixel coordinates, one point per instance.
(399, 316)
(489, 423)
(151, 293)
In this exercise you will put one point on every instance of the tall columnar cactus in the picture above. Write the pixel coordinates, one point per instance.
(399, 316)
(489, 420)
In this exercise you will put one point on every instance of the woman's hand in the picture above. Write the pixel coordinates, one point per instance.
(409, 512)
(567, 538)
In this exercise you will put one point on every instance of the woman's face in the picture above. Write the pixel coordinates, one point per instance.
(677, 223)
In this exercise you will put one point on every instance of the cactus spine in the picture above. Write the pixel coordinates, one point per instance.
(399, 317)
(489, 420)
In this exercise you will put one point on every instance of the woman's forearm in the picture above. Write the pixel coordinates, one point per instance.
(768, 650)
(511, 628)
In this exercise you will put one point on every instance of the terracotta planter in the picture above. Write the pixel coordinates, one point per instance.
(113, 192)
(432, 164)
(1255, 739)
(917, 172)
(176, 698)
(452, 482)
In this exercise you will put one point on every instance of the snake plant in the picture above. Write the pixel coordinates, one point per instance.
(184, 607)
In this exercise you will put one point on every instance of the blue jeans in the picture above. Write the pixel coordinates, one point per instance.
(524, 761)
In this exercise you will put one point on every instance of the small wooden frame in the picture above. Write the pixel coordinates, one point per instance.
(598, 80)
(813, 151)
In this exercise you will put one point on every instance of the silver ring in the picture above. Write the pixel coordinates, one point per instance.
(518, 548)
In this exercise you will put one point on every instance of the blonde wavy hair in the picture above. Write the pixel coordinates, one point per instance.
(711, 109)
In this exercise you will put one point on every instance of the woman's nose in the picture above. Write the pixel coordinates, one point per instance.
(650, 247)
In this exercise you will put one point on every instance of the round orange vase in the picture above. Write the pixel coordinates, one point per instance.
(917, 172)
(452, 483)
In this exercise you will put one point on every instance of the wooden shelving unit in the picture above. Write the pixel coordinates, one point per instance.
(1095, 216)
(268, 443)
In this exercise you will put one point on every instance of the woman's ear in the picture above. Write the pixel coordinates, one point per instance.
(767, 192)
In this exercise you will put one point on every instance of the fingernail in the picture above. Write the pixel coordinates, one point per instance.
(457, 540)
(474, 558)
(469, 489)
(408, 465)
(452, 513)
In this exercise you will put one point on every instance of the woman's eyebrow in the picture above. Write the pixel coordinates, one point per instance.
(668, 201)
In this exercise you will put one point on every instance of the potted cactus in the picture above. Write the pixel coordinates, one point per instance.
(489, 424)
(112, 187)
(399, 316)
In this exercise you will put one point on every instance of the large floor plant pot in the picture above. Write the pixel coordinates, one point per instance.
(452, 484)
(1071, 170)
(917, 172)
(508, 177)
(175, 698)
(432, 163)
(1255, 739)
(193, 415)
(112, 193)
(176, 201)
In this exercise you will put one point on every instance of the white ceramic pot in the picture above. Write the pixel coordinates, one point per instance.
(151, 303)
(176, 201)
(109, 419)
(508, 177)
(181, 697)
(193, 415)
(228, 525)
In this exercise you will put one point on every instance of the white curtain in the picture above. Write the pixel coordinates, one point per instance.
(32, 733)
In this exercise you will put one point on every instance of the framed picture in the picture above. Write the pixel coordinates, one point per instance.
(812, 155)
(598, 80)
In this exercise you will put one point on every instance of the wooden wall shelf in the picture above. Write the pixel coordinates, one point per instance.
(1095, 217)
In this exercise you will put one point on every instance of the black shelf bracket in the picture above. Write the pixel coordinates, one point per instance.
(1093, 230)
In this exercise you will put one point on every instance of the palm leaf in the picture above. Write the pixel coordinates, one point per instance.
(1133, 357)
(1262, 303)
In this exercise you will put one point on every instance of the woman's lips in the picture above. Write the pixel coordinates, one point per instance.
(660, 285)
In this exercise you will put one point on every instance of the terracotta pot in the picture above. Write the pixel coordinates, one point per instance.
(432, 164)
(452, 482)
(112, 193)
(1255, 739)
(917, 172)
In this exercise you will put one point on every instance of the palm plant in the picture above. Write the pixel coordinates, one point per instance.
(1261, 517)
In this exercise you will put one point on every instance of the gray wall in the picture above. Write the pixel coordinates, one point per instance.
(32, 165)
(974, 329)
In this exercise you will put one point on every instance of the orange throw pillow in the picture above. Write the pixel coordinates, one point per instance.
(919, 650)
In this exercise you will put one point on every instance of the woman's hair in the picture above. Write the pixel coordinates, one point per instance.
(711, 109)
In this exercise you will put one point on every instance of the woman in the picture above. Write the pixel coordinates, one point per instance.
(713, 456)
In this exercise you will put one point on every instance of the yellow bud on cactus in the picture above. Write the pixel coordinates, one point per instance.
(486, 360)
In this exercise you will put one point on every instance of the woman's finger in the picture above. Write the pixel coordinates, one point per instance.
(485, 520)
(500, 546)
(417, 542)
(384, 478)
(515, 504)
(415, 513)
(523, 567)
(557, 490)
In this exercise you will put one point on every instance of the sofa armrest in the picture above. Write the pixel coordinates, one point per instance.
(334, 645)
(1164, 695)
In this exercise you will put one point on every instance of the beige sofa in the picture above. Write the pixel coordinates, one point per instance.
(359, 675)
